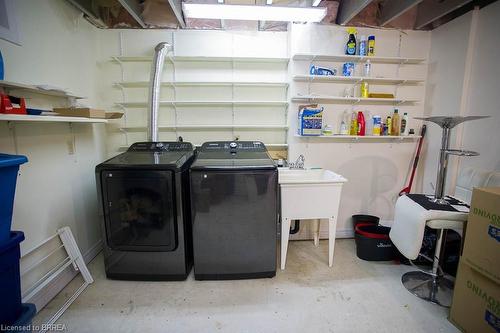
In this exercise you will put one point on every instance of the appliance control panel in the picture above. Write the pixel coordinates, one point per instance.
(161, 146)
(254, 146)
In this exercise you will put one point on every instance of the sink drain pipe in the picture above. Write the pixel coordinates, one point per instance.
(296, 227)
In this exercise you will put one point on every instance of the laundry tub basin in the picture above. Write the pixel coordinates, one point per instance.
(309, 193)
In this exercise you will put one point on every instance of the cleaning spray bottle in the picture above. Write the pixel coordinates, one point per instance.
(350, 48)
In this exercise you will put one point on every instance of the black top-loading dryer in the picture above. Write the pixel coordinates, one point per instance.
(144, 196)
(234, 188)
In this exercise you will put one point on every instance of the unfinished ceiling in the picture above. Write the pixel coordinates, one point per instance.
(398, 14)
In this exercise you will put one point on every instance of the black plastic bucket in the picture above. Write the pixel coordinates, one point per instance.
(361, 218)
(373, 242)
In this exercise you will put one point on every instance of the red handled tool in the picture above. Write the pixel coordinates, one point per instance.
(407, 189)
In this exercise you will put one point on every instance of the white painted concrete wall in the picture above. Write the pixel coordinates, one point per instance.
(447, 91)
(444, 88)
(484, 135)
(377, 170)
(55, 188)
(196, 43)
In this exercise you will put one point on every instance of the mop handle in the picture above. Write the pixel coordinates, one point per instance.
(415, 163)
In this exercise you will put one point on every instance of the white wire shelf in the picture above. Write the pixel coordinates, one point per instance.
(20, 117)
(355, 79)
(351, 100)
(13, 87)
(357, 58)
(203, 103)
(206, 127)
(202, 59)
(146, 84)
(365, 137)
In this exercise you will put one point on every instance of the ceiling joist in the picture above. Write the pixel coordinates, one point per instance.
(431, 10)
(134, 9)
(349, 9)
(176, 6)
(392, 9)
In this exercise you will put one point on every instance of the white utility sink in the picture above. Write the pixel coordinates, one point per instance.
(308, 176)
(309, 194)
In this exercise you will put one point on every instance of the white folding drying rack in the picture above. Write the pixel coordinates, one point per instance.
(74, 258)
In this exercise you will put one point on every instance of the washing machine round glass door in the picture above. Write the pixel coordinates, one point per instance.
(140, 210)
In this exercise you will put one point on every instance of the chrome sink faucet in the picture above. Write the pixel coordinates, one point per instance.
(298, 164)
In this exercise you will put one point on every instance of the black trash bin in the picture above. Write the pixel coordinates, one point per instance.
(373, 242)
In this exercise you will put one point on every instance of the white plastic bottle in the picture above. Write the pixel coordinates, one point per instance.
(369, 123)
(367, 68)
(404, 125)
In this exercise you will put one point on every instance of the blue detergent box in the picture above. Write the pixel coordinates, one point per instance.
(310, 121)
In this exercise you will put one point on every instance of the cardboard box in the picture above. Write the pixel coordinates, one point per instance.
(476, 302)
(114, 115)
(482, 236)
(81, 112)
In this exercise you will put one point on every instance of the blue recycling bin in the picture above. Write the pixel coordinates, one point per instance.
(23, 324)
(9, 166)
(10, 279)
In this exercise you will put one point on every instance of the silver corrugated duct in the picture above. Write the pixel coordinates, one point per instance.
(161, 51)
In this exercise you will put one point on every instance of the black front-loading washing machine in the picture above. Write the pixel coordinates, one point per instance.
(144, 196)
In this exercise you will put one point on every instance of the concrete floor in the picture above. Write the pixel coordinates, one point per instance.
(353, 296)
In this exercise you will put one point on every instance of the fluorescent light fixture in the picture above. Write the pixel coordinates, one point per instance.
(269, 2)
(253, 12)
(316, 3)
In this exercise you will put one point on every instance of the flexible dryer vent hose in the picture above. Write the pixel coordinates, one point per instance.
(161, 51)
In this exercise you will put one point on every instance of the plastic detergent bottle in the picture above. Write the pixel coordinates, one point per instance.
(350, 48)
(362, 46)
(404, 124)
(361, 124)
(354, 124)
(395, 123)
(364, 89)
(371, 45)
(377, 126)
(388, 123)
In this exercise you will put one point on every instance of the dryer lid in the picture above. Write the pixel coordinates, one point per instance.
(171, 155)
